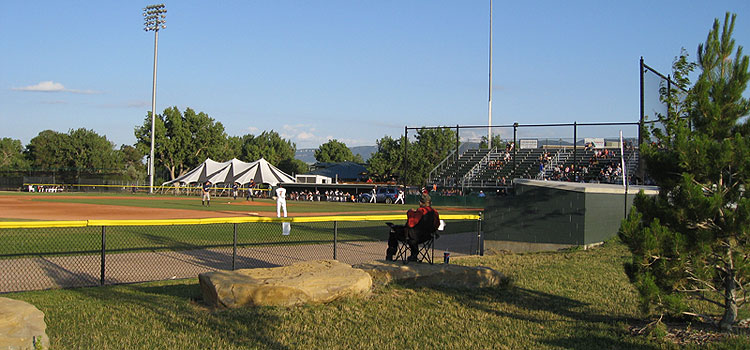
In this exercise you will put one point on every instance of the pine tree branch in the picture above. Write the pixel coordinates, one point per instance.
(705, 318)
(700, 296)
(696, 279)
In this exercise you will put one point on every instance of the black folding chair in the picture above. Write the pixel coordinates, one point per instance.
(425, 250)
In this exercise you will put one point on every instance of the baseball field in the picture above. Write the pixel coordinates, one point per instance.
(52, 240)
(22, 206)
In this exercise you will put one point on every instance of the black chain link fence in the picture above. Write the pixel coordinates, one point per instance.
(80, 254)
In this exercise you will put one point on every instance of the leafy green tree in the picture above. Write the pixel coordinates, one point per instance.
(497, 142)
(79, 150)
(11, 155)
(47, 150)
(183, 140)
(335, 151)
(131, 161)
(268, 145)
(388, 160)
(293, 166)
(430, 148)
(233, 147)
(88, 150)
(690, 243)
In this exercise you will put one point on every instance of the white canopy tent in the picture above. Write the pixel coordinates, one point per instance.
(260, 171)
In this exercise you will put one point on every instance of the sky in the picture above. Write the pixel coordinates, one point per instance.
(349, 70)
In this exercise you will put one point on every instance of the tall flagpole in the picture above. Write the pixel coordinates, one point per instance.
(489, 109)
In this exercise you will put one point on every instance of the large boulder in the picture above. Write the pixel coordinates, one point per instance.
(305, 282)
(426, 275)
(20, 324)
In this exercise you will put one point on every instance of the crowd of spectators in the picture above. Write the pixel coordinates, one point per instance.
(497, 163)
(451, 192)
(568, 173)
(599, 155)
(609, 173)
(317, 196)
(605, 160)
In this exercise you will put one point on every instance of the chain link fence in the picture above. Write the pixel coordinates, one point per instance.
(64, 254)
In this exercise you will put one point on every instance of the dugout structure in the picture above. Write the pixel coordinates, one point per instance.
(545, 215)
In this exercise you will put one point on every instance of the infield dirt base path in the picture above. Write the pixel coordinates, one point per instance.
(26, 208)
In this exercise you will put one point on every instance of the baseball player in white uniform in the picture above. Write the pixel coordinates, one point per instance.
(280, 201)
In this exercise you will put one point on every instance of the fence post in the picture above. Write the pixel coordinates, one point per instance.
(234, 247)
(575, 149)
(104, 248)
(335, 238)
(406, 164)
(515, 147)
(480, 236)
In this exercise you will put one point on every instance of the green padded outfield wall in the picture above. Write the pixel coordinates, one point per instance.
(563, 213)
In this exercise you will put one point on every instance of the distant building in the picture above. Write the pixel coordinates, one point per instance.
(313, 179)
(341, 172)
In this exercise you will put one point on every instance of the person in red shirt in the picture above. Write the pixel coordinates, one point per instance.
(420, 225)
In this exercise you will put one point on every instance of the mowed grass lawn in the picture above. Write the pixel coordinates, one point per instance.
(560, 300)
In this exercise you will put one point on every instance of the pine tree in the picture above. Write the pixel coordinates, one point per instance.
(690, 242)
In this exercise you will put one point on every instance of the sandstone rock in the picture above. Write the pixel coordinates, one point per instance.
(305, 282)
(20, 322)
(434, 275)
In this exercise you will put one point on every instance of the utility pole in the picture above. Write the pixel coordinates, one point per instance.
(489, 112)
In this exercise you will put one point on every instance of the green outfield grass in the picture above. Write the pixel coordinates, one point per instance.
(87, 240)
(558, 300)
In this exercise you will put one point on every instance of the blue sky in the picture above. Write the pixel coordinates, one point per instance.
(350, 70)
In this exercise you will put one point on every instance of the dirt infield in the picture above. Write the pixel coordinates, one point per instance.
(25, 208)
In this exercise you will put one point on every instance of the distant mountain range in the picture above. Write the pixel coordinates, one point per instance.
(307, 155)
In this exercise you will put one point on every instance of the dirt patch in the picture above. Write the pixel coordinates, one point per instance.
(691, 334)
(24, 207)
(27, 207)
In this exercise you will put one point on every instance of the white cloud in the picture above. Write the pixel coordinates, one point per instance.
(252, 129)
(55, 102)
(138, 104)
(306, 136)
(51, 86)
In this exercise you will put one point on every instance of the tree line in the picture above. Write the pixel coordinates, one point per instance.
(184, 139)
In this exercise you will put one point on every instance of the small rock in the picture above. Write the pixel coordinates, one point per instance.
(448, 275)
(20, 323)
(305, 282)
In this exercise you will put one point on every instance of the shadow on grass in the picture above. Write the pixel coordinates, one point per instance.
(179, 308)
(571, 324)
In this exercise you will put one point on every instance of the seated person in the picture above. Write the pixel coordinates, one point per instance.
(420, 225)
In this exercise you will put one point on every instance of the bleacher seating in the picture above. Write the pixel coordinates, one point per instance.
(482, 168)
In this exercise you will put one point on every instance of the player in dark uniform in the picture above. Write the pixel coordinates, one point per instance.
(206, 194)
(249, 192)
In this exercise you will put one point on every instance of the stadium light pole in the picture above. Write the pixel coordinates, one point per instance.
(154, 18)
(489, 112)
